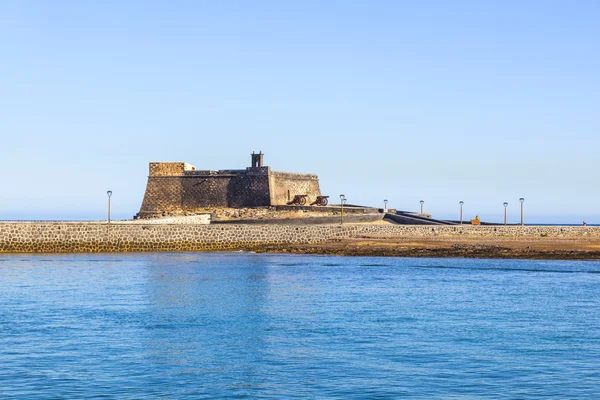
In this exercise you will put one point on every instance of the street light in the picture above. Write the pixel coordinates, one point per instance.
(385, 205)
(505, 204)
(422, 202)
(342, 201)
(109, 193)
(522, 200)
(461, 206)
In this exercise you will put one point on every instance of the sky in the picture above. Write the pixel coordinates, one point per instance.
(441, 101)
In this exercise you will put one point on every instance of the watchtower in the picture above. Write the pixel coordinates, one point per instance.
(257, 160)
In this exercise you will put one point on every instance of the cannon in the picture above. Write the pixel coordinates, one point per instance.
(298, 200)
(320, 201)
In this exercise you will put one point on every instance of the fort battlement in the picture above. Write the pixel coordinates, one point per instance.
(178, 188)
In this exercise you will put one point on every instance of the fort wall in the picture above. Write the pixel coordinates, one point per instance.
(178, 188)
(82, 237)
(191, 193)
(285, 185)
(164, 194)
(170, 168)
(224, 190)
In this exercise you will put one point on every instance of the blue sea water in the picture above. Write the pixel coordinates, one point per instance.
(238, 325)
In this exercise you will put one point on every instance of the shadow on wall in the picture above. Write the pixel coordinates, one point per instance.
(248, 191)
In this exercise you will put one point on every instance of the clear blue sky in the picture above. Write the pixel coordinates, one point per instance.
(481, 101)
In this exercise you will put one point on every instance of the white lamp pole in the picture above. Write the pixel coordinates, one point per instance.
(109, 194)
(522, 200)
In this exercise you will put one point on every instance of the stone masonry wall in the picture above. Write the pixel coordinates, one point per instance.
(284, 186)
(88, 237)
(169, 168)
(163, 194)
(177, 188)
(192, 193)
(202, 192)
(241, 190)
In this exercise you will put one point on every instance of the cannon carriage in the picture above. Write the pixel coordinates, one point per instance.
(320, 201)
(298, 200)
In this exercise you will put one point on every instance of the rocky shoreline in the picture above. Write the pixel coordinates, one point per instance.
(458, 251)
(466, 247)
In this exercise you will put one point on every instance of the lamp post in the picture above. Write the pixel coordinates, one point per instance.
(422, 202)
(342, 201)
(505, 204)
(522, 200)
(109, 193)
(461, 206)
(385, 205)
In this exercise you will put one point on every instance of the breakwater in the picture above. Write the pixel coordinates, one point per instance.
(87, 237)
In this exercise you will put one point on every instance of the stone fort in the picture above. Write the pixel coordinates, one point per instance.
(178, 188)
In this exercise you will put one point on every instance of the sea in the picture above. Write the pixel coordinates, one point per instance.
(271, 326)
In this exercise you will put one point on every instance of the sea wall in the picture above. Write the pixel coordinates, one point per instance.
(84, 237)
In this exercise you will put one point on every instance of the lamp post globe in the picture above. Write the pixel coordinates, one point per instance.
(461, 203)
(505, 204)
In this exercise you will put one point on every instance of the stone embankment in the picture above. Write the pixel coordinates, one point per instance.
(83, 237)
